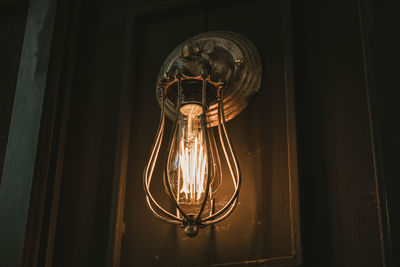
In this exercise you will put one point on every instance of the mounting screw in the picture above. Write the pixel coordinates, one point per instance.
(191, 230)
(239, 62)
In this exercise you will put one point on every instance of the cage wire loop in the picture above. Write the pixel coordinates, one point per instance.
(166, 174)
(235, 174)
(148, 172)
(228, 152)
(204, 122)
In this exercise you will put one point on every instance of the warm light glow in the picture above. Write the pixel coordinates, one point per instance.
(188, 167)
(193, 162)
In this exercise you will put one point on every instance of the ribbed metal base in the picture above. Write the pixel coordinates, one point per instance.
(227, 58)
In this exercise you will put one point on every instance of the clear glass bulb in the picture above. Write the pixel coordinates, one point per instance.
(187, 164)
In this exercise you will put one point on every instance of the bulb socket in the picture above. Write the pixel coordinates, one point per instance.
(191, 92)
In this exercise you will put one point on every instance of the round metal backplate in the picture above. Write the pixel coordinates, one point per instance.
(242, 78)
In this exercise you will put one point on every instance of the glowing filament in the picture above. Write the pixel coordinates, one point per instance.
(192, 160)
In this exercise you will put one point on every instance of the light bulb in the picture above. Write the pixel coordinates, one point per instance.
(188, 160)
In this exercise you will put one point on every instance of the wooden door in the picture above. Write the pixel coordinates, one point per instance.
(264, 228)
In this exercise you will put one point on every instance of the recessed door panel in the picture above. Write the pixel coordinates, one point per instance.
(264, 226)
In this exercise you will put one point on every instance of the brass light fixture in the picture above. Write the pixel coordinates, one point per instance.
(203, 83)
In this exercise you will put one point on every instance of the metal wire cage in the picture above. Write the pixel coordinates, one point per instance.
(214, 63)
(189, 221)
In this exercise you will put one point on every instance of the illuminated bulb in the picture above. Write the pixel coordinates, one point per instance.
(188, 158)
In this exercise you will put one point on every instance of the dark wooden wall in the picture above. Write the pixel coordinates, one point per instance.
(345, 55)
(384, 57)
(346, 108)
(337, 164)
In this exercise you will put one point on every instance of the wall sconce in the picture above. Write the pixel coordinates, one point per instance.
(203, 83)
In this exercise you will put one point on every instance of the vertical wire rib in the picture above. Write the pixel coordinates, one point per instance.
(216, 183)
(236, 176)
(230, 206)
(231, 150)
(147, 178)
(148, 172)
(166, 173)
(209, 159)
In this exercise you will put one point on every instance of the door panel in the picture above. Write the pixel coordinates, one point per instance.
(264, 227)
